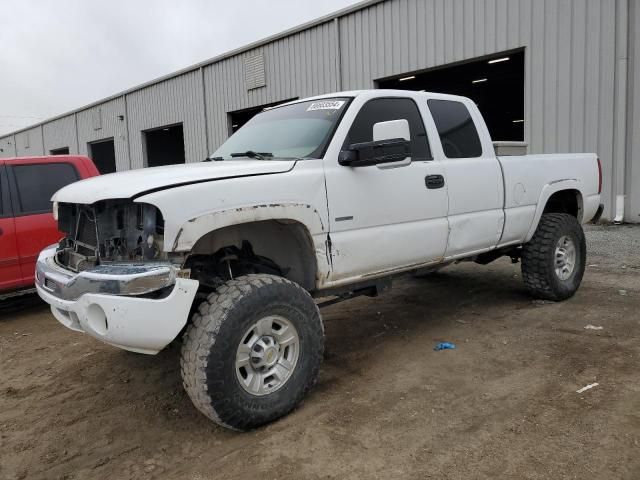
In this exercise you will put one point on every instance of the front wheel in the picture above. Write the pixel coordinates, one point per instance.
(252, 351)
(553, 261)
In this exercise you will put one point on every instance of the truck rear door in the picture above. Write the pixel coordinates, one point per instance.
(10, 275)
(32, 185)
(473, 176)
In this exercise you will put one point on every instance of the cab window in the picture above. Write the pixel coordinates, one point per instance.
(36, 184)
(456, 129)
(5, 211)
(384, 110)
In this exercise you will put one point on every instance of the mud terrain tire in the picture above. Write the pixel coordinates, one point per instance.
(559, 238)
(232, 318)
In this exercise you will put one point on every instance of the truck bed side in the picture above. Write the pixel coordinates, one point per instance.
(530, 180)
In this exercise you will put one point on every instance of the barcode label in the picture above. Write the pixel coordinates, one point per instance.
(327, 105)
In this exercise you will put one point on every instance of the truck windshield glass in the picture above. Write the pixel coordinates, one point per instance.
(300, 130)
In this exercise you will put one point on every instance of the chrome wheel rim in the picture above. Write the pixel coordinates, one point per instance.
(267, 355)
(565, 257)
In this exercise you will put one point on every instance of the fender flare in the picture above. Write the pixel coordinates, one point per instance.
(194, 229)
(547, 191)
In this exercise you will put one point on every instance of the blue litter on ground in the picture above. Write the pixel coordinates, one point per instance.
(444, 346)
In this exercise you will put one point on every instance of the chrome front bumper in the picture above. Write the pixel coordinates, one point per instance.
(106, 302)
(116, 279)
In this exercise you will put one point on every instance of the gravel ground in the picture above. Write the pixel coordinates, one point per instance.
(618, 244)
(503, 404)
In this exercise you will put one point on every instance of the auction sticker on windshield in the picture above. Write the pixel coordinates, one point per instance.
(326, 105)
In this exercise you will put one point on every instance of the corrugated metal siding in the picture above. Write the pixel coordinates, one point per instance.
(59, 134)
(7, 147)
(177, 100)
(29, 142)
(111, 127)
(300, 65)
(632, 207)
(569, 49)
(572, 77)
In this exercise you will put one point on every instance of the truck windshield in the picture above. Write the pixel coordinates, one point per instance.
(300, 130)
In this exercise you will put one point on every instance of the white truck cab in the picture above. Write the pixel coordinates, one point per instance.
(328, 196)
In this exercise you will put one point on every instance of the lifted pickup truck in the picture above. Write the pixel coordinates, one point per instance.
(325, 197)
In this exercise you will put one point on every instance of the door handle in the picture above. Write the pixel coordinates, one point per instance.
(434, 181)
(1, 231)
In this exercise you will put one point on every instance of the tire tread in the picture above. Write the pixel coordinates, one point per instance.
(202, 334)
(537, 271)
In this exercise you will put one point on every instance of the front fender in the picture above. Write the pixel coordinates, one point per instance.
(194, 229)
(548, 190)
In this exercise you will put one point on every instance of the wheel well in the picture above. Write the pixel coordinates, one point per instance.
(565, 201)
(280, 247)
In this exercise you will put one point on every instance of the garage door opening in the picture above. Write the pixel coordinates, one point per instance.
(103, 154)
(164, 146)
(238, 118)
(496, 84)
(59, 151)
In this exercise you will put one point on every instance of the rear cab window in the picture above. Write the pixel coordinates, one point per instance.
(35, 184)
(456, 129)
(386, 109)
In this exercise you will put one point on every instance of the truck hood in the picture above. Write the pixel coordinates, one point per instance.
(145, 180)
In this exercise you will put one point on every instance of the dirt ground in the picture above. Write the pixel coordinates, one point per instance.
(503, 404)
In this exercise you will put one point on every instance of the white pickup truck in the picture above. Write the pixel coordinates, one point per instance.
(327, 197)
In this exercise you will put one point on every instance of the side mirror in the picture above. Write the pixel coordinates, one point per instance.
(391, 129)
(390, 144)
(373, 153)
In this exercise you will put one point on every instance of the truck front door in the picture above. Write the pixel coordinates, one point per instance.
(33, 184)
(390, 216)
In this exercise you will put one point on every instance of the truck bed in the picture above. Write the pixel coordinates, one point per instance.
(530, 180)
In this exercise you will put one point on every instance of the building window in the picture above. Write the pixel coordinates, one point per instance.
(59, 151)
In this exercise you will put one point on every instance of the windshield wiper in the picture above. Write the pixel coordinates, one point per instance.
(213, 159)
(252, 154)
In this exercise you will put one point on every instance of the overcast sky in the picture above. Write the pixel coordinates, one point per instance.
(57, 55)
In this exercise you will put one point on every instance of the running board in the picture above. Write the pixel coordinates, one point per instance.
(369, 289)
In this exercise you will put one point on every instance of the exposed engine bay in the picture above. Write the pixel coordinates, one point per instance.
(121, 231)
(109, 231)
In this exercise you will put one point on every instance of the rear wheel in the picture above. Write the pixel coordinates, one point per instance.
(553, 261)
(252, 351)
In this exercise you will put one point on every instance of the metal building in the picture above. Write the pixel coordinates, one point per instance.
(571, 83)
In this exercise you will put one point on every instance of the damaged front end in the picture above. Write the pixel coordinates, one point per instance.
(110, 278)
(110, 231)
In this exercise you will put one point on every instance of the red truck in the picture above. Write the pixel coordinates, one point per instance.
(26, 221)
